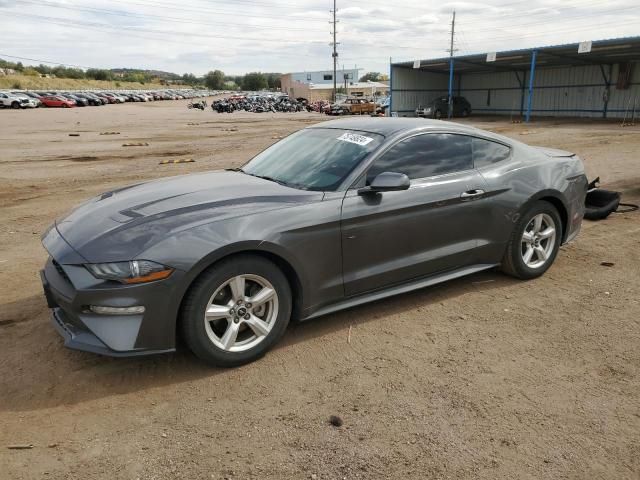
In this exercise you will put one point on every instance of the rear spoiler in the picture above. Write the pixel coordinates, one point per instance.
(552, 152)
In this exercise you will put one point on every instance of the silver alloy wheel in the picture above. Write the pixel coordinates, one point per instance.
(538, 240)
(241, 313)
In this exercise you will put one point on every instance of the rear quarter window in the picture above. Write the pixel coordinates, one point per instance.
(486, 152)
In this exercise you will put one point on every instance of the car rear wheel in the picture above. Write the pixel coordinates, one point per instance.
(438, 114)
(236, 311)
(534, 243)
(465, 112)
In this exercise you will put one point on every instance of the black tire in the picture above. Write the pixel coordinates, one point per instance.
(196, 300)
(513, 263)
(465, 113)
(15, 105)
(437, 114)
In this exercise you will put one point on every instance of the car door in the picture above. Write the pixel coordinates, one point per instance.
(434, 226)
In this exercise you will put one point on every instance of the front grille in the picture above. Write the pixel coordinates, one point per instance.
(59, 269)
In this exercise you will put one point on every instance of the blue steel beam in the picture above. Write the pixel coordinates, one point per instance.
(450, 114)
(534, 55)
(390, 87)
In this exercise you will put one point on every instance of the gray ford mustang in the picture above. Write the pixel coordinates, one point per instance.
(335, 215)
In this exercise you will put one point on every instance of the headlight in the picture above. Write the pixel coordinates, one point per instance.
(136, 271)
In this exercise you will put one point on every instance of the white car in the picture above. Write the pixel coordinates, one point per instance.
(10, 100)
(37, 103)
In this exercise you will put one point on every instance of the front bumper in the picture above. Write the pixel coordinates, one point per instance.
(424, 112)
(86, 341)
(70, 289)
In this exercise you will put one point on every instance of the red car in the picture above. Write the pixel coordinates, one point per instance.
(55, 101)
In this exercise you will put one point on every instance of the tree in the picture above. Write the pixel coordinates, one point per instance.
(254, 81)
(273, 80)
(99, 74)
(214, 80)
(43, 69)
(190, 79)
(31, 72)
(139, 77)
(374, 77)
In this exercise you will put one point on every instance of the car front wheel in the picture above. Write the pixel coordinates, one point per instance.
(236, 311)
(534, 242)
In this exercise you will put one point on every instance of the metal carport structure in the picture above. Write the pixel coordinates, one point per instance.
(543, 81)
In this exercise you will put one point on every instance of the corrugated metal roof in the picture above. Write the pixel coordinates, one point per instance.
(608, 51)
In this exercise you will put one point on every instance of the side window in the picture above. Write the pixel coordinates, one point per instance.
(486, 152)
(425, 156)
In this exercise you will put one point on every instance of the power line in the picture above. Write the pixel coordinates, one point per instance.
(178, 20)
(45, 61)
(158, 17)
(608, 12)
(199, 10)
(507, 36)
(120, 29)
(496, 39)
(93, 25)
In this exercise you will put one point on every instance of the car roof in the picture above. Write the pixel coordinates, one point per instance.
(391, 126)
(388, 126)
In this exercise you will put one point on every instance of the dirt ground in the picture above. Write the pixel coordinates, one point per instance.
(483, 377)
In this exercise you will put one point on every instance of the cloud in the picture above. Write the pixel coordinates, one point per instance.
(281, 35)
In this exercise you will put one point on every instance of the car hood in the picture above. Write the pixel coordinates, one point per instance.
(119, 224)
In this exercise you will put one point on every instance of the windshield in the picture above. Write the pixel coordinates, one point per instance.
(314, 158)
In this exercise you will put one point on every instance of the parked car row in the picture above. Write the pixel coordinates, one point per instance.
(84, 98)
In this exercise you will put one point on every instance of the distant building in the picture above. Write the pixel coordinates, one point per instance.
(325, 92)
(296, 84)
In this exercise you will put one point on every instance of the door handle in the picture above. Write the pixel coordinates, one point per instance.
(469, 194)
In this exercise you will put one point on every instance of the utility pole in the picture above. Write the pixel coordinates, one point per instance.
(451, 50)
(335, 51)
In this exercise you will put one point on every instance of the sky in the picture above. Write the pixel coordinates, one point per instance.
(239, 36)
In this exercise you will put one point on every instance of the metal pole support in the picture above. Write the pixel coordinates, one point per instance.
(534, 55)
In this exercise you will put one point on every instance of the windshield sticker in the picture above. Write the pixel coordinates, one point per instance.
(355, 138)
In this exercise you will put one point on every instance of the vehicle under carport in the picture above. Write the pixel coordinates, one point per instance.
(602, 82)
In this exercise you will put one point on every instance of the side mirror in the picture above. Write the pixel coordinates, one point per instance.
(387, 182)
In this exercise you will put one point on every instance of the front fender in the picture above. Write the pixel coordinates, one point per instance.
(307, 238)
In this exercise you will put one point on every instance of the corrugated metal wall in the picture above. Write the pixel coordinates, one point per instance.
(414, 87)
(498, 92)
(560, 91)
